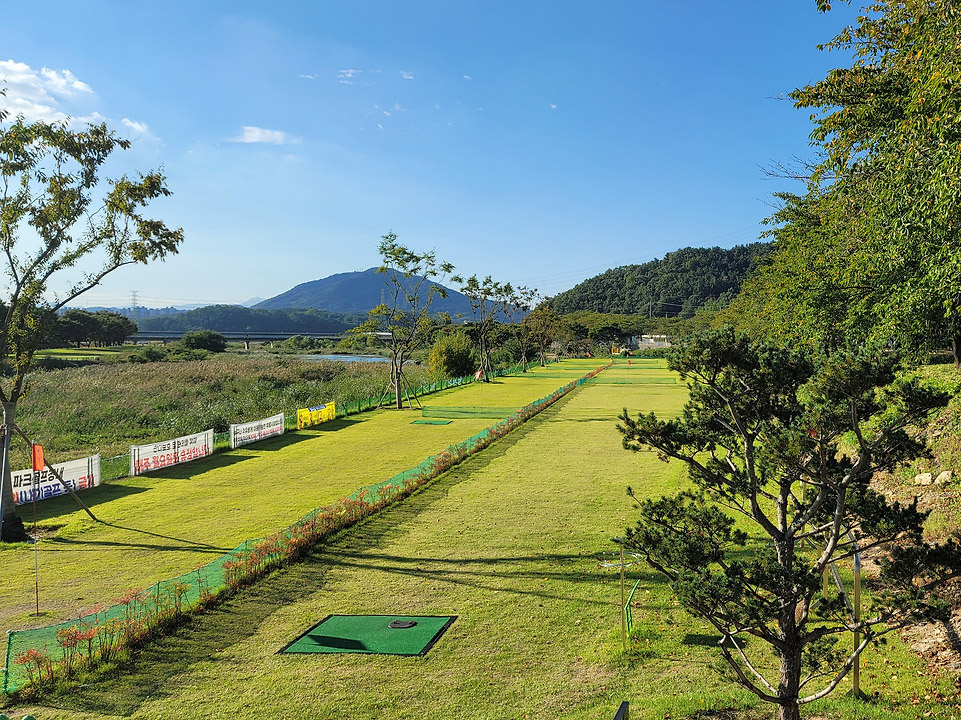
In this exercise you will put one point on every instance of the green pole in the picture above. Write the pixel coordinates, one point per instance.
(623, 609)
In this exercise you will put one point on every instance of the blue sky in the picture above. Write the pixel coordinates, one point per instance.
(539, 142)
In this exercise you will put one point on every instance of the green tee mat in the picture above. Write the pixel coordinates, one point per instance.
(432, 422)
(371, 635)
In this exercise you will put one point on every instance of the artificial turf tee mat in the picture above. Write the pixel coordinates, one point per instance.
(371, 634)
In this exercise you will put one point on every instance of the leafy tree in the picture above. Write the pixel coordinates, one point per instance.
(788, 443)
(487, 301)
(204, 340)
(112, 328)
(517, 303)
(543, 327)
(56, 213)
(403, 323)
(873, 250)
(76, 326)
(452, 355)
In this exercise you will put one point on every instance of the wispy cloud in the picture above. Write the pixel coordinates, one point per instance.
(553, 106)
(399, 108)
(136, 126)
(467, 77)
(406, 75)
(39, 94)
(307, 76)
(347, 76)
(251, 134)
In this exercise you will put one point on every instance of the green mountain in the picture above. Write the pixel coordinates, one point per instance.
(354, 292)
(233, 318)
(678, 284)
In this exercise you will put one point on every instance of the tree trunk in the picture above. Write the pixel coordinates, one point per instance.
(956, 347)
(398, 385)
(11, 526)
(787, 690)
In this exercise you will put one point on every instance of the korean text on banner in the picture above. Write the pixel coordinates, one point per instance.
(144, 458)
(246, 433)
(77, 474)
(315, 415)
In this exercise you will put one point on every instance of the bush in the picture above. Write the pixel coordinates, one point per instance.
(204, 340)
(147, 354)
(452, 356)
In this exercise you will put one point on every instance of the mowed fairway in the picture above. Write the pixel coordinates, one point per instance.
(509, 542)
(167, 523)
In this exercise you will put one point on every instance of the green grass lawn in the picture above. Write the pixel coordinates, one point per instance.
(167, 523)
(509, 542)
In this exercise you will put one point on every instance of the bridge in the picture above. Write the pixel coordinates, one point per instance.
(143, 336)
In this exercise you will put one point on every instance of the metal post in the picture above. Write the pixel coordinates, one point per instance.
(4, 470)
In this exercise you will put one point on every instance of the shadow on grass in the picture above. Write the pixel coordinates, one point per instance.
(64, 504)
(75, 545)
(153, 671)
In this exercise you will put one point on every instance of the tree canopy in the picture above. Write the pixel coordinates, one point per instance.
(872, 248)
(678, 284)
(63, 229)
(788, 442)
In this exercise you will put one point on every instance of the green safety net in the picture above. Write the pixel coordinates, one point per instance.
(466, 411)
(118, 466)
(147, 610)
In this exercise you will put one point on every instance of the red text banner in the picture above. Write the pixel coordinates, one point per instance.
(246, 433)
(146, 458)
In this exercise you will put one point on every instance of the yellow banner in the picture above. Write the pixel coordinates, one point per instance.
(315, 415)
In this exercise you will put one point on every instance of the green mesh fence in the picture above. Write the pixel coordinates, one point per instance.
(114, 468)
(144, 613)
(466, 411)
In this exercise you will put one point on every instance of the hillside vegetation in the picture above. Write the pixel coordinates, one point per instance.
(233, 318)
(678, 284)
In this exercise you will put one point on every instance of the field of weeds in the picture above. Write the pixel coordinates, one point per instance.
(105, 408)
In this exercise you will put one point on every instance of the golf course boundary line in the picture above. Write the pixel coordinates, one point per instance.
(38, 657)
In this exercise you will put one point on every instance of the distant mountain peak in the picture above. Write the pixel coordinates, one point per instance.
(354, 292)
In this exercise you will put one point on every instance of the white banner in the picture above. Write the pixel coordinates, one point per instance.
(78, 474)
(246, 433)
(145, 458)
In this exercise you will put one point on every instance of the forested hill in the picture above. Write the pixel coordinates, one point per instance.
(233, 318)
(357, 292)
(678, 284)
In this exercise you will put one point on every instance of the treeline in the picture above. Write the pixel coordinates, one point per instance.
(75, 327)
(233, 318)
(868, 251)
(675, 286)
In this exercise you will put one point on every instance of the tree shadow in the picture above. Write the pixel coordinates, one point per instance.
(153, 670)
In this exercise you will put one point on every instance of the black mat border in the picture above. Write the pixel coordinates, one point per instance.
(437, 636)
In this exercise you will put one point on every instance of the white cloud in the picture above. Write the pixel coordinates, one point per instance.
(307, 76)
(553, 106)
(406, 75)
(467, 77)
(251, 134)
(38, 94)
(399, 108)
(347, 76)
(135, 126)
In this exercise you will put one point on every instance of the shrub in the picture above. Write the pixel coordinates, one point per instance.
(204, 340)
(452, 356)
